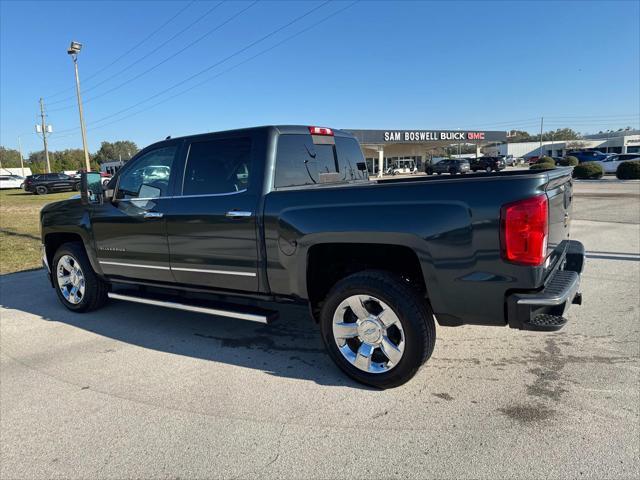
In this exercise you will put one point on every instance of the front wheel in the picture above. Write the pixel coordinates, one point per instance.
(78, 287)
(377, 329)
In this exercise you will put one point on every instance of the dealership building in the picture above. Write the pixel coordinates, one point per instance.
(383, 148)
(626, 141)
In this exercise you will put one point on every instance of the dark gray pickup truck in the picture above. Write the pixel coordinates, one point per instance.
(231, 223)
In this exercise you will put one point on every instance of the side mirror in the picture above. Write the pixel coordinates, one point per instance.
(90, 188)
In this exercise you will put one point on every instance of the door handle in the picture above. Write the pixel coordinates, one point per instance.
(237, 214)
(153, 215)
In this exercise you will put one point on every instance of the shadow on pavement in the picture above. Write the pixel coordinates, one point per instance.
(290, 347)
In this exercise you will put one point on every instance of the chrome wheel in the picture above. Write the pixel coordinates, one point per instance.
(70, 279)
(368, 333)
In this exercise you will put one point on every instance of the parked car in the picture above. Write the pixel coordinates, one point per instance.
(11, 181)
(50, 182)
(558, 160)
(488, 164)
(287, 214)
(453, 166)
(588, 155)
(610, 164)
(509, 160)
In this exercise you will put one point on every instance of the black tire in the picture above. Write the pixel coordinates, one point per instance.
(488, 169)
(439, 173)
(95, 293)
(41, 190)
(413, 311)
(76, 187)
(452, 171)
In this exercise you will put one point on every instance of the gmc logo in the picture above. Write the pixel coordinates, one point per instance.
(475, 135)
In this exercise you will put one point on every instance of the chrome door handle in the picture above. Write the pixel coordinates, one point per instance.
(237, 214)
(153, 215)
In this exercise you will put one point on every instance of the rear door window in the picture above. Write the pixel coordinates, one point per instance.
(219, 166)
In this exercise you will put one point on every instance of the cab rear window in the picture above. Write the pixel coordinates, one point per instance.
(301, 162)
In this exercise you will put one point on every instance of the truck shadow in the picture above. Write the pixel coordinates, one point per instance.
(290, 347)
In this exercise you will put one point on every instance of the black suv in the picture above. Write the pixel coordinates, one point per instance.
(50, 182)
(452, 166)
(488, 164)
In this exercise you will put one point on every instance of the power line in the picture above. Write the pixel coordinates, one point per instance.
(136, 62)
(238, 52)
(129, 50)
(202, 37)
(230, 68)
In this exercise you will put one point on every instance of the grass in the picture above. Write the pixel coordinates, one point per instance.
(20, 228)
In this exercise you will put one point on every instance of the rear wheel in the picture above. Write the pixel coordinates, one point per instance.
(377, 329)
(76, 187)
(42, 190)
(78, 287)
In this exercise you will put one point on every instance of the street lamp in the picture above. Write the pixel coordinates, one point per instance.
(73, 50)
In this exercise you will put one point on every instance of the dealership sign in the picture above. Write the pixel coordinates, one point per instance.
(424, 136)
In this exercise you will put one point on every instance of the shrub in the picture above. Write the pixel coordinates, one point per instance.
(546, 160)
(588, 171)
(542, 166)
(628, 170)
(569, 161)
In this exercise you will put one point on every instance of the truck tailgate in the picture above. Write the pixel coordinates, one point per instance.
(559, 191)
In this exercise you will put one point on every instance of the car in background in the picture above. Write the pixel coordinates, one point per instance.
(611, 163)
(11, 181)
(488, 164)
(533, 160)
(510, 160)
(452, 166)
(588, 155)
(558, 160)
(50, 182)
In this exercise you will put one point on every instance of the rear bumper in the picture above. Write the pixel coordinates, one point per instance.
(544, 310)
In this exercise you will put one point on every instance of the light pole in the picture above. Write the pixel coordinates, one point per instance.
(73, 50)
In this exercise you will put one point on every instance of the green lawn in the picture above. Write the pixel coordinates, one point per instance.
(20, 228)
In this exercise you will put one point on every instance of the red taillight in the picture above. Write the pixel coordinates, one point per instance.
(321, 131)
(524, 228)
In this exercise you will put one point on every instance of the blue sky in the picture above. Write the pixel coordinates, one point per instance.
(388, 65)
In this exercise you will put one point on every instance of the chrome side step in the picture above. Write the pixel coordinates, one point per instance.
(192, 308)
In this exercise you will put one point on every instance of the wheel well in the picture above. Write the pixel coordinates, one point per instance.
(53, 241)
(329, 263)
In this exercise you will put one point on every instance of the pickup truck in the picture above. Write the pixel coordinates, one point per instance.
(233, 223)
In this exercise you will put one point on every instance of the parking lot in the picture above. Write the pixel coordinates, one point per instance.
(138, 391)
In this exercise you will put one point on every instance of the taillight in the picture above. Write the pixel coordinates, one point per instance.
(321, 131)
(524, 228)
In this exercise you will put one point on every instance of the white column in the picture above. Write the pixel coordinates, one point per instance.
(380, 161)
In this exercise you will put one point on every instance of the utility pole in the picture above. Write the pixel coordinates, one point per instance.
(21, 159)
(541, 125)
(44, 135)
(73, 50)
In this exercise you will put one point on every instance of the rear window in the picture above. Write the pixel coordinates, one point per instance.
(301, 162)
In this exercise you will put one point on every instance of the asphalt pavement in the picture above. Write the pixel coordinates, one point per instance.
(140, 391)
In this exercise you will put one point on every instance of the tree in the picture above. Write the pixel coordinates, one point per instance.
(70, 159)
(120, 150)
(9, 158)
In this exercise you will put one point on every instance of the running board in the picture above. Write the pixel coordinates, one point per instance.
(263, 316)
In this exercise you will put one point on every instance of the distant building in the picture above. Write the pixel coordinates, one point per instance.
(615, 142)
(22, 172)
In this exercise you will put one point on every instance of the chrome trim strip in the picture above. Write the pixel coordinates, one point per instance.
(135, 265)
(221, 272)
(181, 196)
(190, 308)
